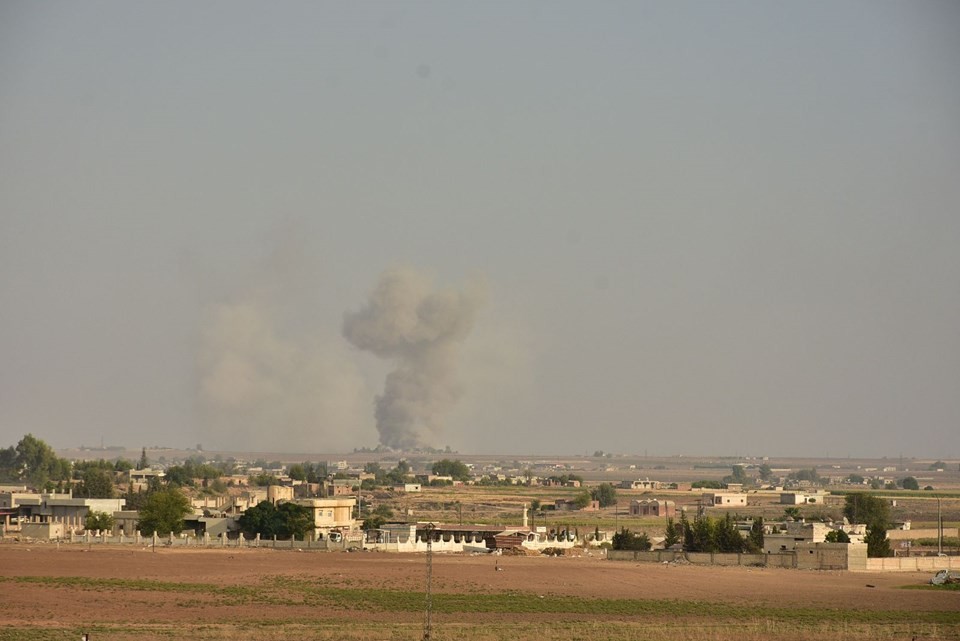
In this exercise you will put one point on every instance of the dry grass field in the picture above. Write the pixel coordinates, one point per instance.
(121, 594)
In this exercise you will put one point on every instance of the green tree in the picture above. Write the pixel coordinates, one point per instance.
(399, 474)
(296, 520)
(96, 484)
(456, 469)
(687, 532)
(703, 535)
(765, 472)
(263, 479)
(938, 465)
(627, 540)
(837, 536)
(260, 519)
(738, 476)
(910, 483)
(144, 462)
(284, 521)
(297, 472)
(708, 485)
(855, 479)
(373, 522)
(99, 521)
(791, 513)
(672, 534)
(178, 476)
(122, 465)
(605, 493)
(216, 486)
(377, 517)
(878, 545)
(582, 500)
(37, 463)
(726, 536)
(8, 464)
(807, 475)
(861, 507)
(316, 473)
(163, 512)
(755, 540)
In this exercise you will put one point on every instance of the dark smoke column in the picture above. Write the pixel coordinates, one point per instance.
(420, 328)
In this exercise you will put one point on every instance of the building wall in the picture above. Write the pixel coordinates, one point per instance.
(912, 564)
(279, 493)
(822, 556)
(43, 530)
(920, 533)
(330, 513)
(653, 508)
(722, 499)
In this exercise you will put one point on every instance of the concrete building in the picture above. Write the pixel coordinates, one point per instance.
(803, 498)
(342, 487)
(789, 535)
(641, 484)
(725, 499)
(62, 509)
(330, 514)
(125, 522)
(245, 500)
(140, 479)
(653, 507)
(276, 493)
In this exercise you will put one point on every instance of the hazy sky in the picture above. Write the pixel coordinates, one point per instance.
(702, 228)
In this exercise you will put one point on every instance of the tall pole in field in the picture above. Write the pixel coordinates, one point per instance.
(939, 529)
(429, 605)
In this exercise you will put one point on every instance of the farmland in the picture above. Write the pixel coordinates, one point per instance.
(121, 594)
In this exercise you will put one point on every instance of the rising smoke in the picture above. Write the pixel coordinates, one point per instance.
(266, 389)
(273, 373)
(420, 329)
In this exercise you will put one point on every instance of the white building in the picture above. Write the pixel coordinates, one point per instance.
(725, 499)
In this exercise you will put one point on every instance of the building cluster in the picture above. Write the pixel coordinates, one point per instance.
(333, 502)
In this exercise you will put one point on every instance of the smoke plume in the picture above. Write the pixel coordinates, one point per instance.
(420, 329)
(267, 389)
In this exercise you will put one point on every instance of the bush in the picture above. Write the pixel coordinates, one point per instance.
(627, 540)
(837, 536)
(605, 494)
(99, 521)
(910, 483)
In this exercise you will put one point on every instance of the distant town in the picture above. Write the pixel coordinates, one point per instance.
(848, 514)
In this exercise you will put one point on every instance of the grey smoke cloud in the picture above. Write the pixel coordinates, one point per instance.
(266, 389)
(420, 328)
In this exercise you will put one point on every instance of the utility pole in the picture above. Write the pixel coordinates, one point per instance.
(359, 502)
(427, 627)
(939, 529)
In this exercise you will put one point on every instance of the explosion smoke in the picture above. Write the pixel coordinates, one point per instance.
(406, 320)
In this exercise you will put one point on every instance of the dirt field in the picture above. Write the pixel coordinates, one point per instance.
(135, 593)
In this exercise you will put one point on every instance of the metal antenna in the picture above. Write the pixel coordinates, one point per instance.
(427, 628)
